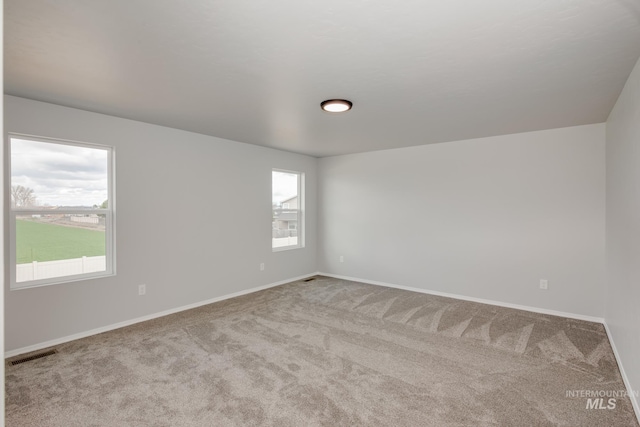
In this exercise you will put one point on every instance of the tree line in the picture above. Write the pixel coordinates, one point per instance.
(22, 197)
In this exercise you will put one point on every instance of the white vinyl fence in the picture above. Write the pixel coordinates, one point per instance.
(284, 241)
(85, 219)
(66, 267)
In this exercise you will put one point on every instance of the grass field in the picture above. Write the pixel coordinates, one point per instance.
(37, 241)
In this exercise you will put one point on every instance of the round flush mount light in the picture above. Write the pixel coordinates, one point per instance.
(336, 105)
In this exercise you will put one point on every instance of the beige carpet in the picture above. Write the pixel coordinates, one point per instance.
(327, 353)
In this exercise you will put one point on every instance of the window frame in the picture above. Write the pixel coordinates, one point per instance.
(300, 231)
(109, 213)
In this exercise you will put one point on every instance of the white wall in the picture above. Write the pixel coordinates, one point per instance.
(177, 193)
(2, 216)
(622, 311)
(485, 218)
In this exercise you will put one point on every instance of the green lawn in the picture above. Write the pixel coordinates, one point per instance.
(37, 241)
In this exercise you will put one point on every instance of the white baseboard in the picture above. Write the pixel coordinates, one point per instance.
(57, 341)
(473, 299)
(625, 378)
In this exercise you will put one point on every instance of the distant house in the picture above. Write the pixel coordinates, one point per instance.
(291, 203)
(285, 218)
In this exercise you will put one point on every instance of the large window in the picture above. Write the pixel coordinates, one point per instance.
(287, 201)
(62, 211)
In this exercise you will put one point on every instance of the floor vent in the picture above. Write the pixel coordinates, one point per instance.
(33, 357)
(310, 279)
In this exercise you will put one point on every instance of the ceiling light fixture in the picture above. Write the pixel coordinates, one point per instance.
(336, 105)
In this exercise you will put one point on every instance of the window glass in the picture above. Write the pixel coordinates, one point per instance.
(61, 218)
(287, 209)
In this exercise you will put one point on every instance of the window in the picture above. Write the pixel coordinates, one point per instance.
(287, 201)
(62, 211)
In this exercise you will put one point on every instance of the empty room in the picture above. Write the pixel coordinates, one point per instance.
(337, 213)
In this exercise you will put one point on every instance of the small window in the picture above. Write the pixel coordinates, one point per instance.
(288, 210)
(62, 211)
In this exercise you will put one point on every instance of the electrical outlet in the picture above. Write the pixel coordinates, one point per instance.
(142, 289)
(544, 284)
(262, 266)
(341, 258)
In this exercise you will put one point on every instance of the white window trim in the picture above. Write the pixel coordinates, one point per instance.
(301, 212)
(110, 213)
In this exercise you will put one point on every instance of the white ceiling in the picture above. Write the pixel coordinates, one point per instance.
(255, 71)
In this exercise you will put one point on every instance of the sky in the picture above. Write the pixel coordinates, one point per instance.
(284, 186)
(60, 175)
